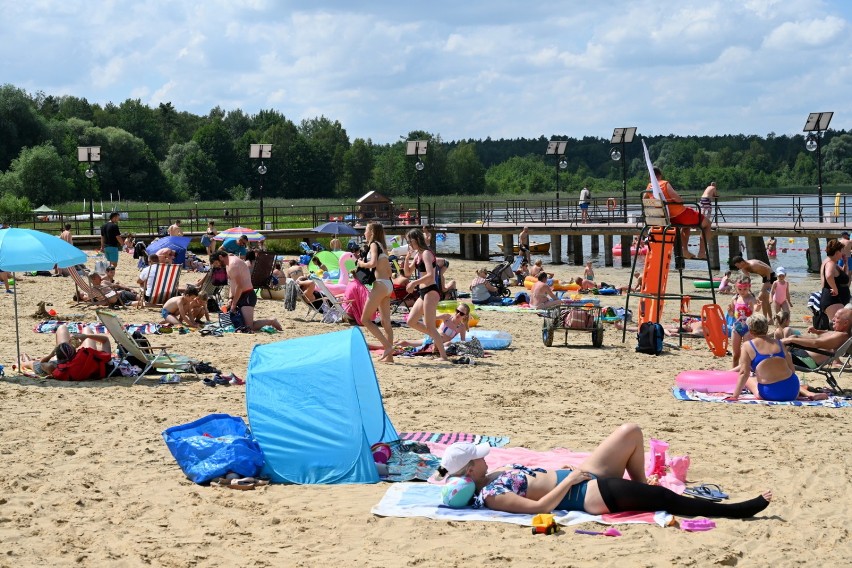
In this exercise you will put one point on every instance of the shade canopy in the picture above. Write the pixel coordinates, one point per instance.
(335, 228)
(177, 244)
(44, 209)
(25, 250)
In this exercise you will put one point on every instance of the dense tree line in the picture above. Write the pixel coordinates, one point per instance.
(163, 154)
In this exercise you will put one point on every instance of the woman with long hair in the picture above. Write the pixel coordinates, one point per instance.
(377, 260)
(428, 286)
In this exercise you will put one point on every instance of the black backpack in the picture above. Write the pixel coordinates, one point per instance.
(650, 338)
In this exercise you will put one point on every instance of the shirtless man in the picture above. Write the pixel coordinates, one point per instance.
(243, 296)
(541, 296)
(765, 272)
(176, 311)
(708, 200)
(825, 340)
(176, 230)
(524, 244)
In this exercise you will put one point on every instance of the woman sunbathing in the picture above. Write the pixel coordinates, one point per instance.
(450, 325)
(596, 487)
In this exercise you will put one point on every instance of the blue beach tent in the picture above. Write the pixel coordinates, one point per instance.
(315, 408)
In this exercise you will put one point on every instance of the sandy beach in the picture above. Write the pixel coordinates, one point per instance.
(89, 481)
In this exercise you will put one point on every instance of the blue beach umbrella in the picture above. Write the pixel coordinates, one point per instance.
(25, 250)
(335, 228)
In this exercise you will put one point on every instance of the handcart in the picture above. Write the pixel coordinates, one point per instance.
(575, 315)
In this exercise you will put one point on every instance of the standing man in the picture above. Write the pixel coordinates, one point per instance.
(243, 296)
(111, 239)
(765, 272)
(682, 215)
(66, 236)
(524, 244)
(175, 229)
(585, 197)
(708, 200)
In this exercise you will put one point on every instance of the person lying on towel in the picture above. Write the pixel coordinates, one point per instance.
(596, 487)
(90, 361)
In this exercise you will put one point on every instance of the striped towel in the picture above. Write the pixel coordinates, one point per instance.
(830, 402)
(451, 437)
(49, 326)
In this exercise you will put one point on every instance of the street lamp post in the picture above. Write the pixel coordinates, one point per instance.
(417, 148)
(261, 151)
(622, 136)
(90, 154)
(816, 124)
(557, 148)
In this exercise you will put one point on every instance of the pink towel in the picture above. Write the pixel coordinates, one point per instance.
(557, 458)
(357, 294)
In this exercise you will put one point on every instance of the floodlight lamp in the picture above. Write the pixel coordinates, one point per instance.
(90, 173)
(419, 165)
(811, 143)
(615, 154)
(563, 163)
(261, 169)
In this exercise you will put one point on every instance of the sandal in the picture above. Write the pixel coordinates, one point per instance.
(706, 491)
(209, 382)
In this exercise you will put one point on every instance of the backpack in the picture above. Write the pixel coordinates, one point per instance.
(650, 338)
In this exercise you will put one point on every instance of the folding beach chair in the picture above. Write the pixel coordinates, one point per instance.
(83, 287)
(335, 312)
(841, 355)
(261, 270)
(166, 278)
(153, 357)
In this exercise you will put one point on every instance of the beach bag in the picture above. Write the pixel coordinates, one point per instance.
(205, 241)
(214, 446)
(578, 318)
(650, 338)
(234, 319)
(365, 276)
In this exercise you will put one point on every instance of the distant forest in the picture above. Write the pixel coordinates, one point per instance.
(162, 154)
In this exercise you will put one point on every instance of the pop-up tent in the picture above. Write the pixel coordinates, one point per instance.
(315, 408)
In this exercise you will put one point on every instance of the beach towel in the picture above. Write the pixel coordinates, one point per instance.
(452, 437)
(49, 326)
(830, 402)
(412, 499)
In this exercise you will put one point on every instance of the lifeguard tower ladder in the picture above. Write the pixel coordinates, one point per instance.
(663, 241)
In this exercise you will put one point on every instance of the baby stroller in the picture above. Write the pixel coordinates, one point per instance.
(498, 277)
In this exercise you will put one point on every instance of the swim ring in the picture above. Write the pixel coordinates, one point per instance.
(616, 250)
(554, 284)
(705, 284)
(489, 338)
(607, 291)
(708, 381)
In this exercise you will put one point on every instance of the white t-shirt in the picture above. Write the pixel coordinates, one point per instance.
(585, 194)
(148, 282)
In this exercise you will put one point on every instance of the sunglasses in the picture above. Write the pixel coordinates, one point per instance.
(461, 313)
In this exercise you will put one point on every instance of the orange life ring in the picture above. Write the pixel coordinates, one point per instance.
(611, 204)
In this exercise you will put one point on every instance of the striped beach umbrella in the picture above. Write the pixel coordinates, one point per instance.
(235, 232)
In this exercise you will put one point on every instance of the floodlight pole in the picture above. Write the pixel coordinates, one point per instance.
(261, 151)
(417, 148)
(90, 154)
(816, 124)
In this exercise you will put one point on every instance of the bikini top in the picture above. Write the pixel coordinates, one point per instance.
(510, 481)
(760, 357)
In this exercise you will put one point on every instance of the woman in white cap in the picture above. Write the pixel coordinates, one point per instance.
(596, 487)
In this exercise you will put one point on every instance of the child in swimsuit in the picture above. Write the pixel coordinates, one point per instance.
(782, 326)
(589, 272)
(780, 292)
(741, 307)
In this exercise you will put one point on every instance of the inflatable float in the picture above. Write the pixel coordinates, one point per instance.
(489, 338)
(616, 250)
(708, 381)
(706, 284)
(554, 284)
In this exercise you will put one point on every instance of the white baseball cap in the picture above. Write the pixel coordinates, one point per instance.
(780, 271)
(461, 453)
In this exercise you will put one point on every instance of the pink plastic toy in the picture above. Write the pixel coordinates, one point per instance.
(608, 532)
(657, 462)
(696, 525)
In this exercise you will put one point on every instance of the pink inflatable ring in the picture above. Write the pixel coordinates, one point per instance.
(708, 381)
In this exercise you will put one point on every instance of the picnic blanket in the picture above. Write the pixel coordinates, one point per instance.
(49, 326)
(413, 499)
(830, 402)
(452, 437)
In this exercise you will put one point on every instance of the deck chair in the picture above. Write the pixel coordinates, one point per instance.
(96, 297)
(336, 311)
(842, 355)
(211, 289)
(166, 278)
(153, 357)
(261, 270)
(316, 306)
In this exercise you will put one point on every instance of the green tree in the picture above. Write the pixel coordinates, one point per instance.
(15, 210)
(467, 175)
(357, 168)
(41, 174)
(215, 141)
(143, 122)
(20, 124)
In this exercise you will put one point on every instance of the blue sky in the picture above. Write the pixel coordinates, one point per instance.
(463, 69)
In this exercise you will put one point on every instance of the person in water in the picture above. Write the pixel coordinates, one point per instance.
(596, 487)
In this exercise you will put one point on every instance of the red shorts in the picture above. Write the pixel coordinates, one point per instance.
(688, 217)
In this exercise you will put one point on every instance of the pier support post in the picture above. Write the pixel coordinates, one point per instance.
(578, 249)
(569, 246)
(626, 243)
(756, 248)
(555, 248)
(814, 255)
(713, 245)
(608, 242)
(508, 243)
(733, 247)
(484, 247)
(469, 251)
(596, 245)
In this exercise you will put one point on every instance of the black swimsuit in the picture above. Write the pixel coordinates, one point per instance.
(843, 294)
(421, 267)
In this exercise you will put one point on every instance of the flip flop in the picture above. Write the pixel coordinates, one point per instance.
(706, 491)
(209, 382)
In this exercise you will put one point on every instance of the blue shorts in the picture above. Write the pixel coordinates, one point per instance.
(573, 500)
(165, 313)
(782, 391)
(584, 206)
(111, 254)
